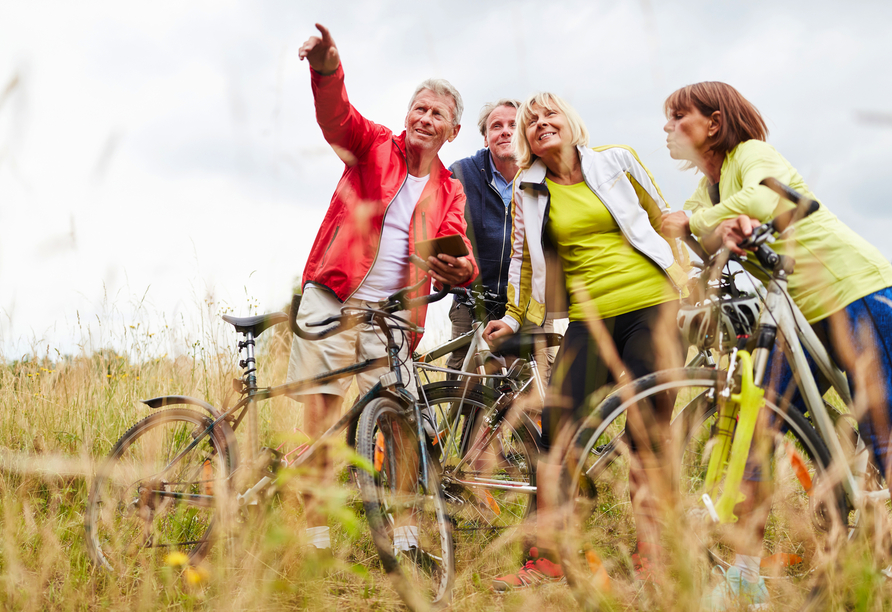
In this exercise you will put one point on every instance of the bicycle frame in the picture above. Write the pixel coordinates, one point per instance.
(779, 314)
(391, 383)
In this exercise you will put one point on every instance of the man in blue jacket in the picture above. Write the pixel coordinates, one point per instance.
(487, 178)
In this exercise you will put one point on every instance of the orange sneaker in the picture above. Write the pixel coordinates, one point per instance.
(537, 570)
(644, 561)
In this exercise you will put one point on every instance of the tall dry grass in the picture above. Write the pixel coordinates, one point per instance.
(60, 415)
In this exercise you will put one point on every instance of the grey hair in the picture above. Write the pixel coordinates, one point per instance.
(489, 107)
(578, 134)
(441, 87)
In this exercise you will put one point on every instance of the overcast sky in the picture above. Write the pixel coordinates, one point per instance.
(154, 156)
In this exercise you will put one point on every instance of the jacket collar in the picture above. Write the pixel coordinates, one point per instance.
(486, 164)
(534, 176)
(438, 175)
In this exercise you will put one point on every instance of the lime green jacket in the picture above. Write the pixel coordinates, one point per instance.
(834, 265)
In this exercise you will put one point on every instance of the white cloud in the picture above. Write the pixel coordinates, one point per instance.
(144, 141)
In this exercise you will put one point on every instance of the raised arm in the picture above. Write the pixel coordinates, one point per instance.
(321, 52)
(349, 133)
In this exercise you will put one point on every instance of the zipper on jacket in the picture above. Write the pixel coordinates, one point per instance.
(619, 225)
(502, 254)
(386, 208)
(423, 226)
(504, 225)
(330, 243)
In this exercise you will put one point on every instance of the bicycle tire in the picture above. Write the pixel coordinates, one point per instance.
(791, 543)
(127, 522)
(388, 442)
(477, 506)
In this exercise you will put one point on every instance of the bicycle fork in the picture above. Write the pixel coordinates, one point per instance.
(736, 425)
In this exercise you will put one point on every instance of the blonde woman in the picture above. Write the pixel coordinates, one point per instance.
(600, 210)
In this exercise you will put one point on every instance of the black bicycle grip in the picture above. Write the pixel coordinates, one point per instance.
(344, 323)
(427, 299)
(696, 247)
(292, 314)
(415, 259)
(804, 206)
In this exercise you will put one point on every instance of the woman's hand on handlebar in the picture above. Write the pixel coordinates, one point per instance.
(497, 329)
(448, 270)
(732, 232)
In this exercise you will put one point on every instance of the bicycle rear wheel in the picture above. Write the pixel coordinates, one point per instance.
(405, 510)
(158, 492)
(492, 487)
(797, 501)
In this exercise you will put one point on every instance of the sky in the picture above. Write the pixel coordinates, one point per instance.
(160, 161)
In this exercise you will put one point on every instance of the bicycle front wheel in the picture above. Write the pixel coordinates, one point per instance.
(158, 491)
(489, 473)
(404, 507)
(792, 503)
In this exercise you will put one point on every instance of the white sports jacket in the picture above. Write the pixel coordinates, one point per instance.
(619, 179)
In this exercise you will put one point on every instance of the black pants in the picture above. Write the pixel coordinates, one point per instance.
(579, 369)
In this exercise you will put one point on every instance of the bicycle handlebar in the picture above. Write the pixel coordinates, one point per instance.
(349, 320)
(756, 241)
(804, 207)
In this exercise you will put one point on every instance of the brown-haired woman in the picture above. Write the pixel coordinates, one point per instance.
(601, 209)
(838, 275)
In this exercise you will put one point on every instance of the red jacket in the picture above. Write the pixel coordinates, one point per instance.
(375, 169)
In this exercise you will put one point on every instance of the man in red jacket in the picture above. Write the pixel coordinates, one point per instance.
(393, 193)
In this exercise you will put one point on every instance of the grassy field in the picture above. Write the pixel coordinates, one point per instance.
(60, 415)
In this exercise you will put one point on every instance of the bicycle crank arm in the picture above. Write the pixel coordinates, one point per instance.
(498, 485)
(249, 497)
(202, 501)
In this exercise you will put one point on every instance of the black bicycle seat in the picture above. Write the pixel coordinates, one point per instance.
(524, 344)
(256, 325)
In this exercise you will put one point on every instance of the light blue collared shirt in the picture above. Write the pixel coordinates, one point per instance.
(498, 181)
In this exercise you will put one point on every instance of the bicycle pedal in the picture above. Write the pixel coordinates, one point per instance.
(596, 567)
(780, 560)
(379, 451)
(438, 438)
(207, 477)
(710, 508)
(492, 503)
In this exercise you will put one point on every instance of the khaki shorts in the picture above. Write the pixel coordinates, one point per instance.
(313, 357)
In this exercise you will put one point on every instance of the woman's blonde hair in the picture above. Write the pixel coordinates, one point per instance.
(548, 101)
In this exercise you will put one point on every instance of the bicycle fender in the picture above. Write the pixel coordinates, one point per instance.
(228, 433)
(171, 400)
(533, 427)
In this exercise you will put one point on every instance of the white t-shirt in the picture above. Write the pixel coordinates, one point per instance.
(388, 273)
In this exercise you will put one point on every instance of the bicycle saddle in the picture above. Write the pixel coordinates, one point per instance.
(524, 344)
(256, 325)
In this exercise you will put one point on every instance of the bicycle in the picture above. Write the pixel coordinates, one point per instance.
(819, 468)
(176, 479)
(486, 442)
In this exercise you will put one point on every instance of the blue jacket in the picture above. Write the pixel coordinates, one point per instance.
(489, 221)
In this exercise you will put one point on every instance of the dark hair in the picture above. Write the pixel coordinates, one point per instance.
(741, 121)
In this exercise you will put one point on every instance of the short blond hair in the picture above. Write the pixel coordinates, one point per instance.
(489, 107)
(549, 101)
